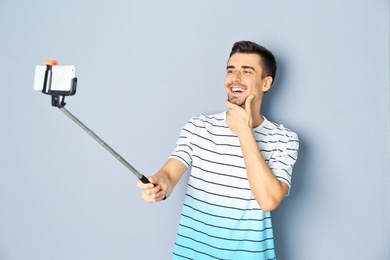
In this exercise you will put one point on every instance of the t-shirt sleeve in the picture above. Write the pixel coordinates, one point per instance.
(282, 163)
(183, 148)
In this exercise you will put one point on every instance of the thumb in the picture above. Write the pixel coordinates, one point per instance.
(142, 185)
(153, 180)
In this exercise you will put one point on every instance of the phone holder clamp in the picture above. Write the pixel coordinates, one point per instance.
(57, 97)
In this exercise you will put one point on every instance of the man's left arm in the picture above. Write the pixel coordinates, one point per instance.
(268, 190)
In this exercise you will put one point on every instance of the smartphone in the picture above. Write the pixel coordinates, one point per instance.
(59, 79)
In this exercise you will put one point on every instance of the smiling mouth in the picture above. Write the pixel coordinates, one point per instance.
(237, 90)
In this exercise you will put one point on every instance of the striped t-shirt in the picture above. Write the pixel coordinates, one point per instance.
(220, 218)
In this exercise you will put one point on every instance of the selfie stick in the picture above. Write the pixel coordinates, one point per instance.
(58, 98)
(106, 146)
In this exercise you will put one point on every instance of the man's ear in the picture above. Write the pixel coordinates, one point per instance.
(267, 83)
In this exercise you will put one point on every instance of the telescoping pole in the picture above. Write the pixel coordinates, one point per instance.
(106, 146)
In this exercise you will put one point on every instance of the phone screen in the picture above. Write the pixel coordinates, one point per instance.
(62, 77)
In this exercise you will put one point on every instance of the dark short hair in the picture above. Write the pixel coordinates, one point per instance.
(268, 62)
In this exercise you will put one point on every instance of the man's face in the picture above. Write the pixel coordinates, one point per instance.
(244, 78)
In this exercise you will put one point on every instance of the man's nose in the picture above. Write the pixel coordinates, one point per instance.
(237, 77)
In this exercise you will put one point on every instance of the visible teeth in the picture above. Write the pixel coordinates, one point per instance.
(236, 89)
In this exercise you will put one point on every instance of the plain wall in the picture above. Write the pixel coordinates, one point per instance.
(144, 68)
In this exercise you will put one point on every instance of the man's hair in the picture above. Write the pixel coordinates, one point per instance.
(267, 59)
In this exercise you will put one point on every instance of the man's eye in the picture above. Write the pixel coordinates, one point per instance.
(247, 72)
(229, 71)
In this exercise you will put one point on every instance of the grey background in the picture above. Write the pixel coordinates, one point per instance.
(146, 67)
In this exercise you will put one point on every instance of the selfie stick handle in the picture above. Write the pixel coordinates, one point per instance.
(106, 146)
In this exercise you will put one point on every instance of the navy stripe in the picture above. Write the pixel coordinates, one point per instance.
(224, 164)
(211, 133)
(272, 134)
(278, 169)
(278, 161)
(219, 121)
(184, 151)
(218, 173)
(272, 142)
(214, 152)
(227, 249)
(271, 151)
(226, 207)
(279, 177)
(224, 228)
(211, 116)
(219, 184)
(207, 139)
(230, 218)
(181, 159)
(219, 195)
(292, 157)
(229, 239)
(185, 145)
(197, 251)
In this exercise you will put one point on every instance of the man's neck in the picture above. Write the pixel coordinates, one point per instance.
(257, 120)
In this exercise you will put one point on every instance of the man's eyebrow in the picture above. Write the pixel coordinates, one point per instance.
(248, 67)
(244, 67)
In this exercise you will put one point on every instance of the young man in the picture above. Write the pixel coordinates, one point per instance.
(241, 166)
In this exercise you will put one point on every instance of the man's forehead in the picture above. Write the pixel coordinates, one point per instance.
(245, 60)
(238, 60)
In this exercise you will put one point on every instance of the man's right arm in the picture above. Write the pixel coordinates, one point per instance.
(163, 182)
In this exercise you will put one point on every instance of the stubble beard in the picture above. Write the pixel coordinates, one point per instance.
(236, 101)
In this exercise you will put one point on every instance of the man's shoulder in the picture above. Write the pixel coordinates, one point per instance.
(271, 127)
(210, 118)
(212, 123)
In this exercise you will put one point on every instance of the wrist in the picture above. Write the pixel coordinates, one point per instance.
(245, 134)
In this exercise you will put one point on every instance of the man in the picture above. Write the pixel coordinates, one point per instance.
(241, 166)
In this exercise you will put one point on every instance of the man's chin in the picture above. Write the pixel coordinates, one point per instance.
(236, 101)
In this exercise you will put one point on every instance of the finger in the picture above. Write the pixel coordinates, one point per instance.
(142, 185)
(230, 104)
(154, 194)
(248, 103)
(161, 195)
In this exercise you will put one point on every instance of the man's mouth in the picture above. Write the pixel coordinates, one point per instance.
(236, 90)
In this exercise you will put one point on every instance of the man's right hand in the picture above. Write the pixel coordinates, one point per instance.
(162, 183)
(153, 191)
